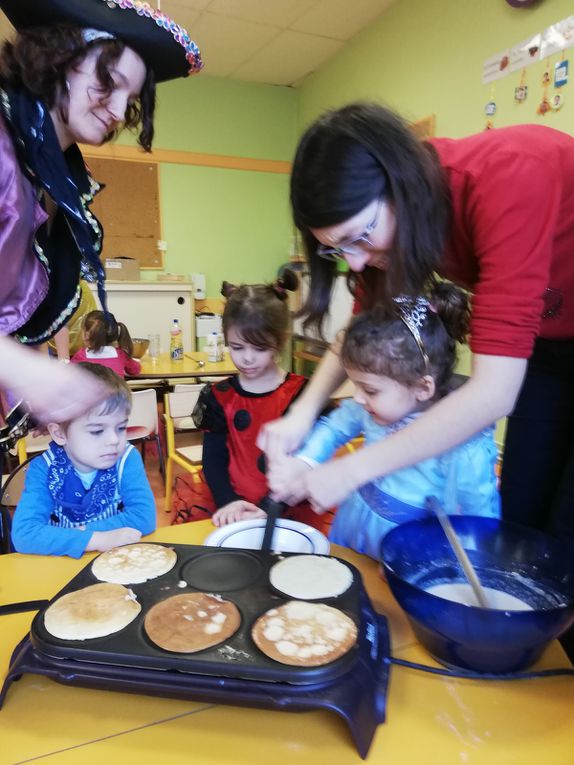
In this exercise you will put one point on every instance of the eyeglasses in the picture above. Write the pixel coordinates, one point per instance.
(356, 247)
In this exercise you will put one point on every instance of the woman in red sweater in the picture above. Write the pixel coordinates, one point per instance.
(493, 213)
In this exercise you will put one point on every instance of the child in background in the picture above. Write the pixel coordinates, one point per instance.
(400, 364)
(231, 412)
(107, 342)
(89, 491)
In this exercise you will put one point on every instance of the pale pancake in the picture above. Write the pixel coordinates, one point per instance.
(133, 564)
(191, 622)
(304, 634)
(94, 611)
(311, 577)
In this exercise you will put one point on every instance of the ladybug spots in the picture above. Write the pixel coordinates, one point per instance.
(241, 419)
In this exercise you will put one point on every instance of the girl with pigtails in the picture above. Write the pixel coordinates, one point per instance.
(107, 342)
(231, 412)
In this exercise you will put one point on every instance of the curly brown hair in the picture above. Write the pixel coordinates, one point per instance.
(39, 58)
(379, 342)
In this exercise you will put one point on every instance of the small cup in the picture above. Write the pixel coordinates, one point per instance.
(153, 349)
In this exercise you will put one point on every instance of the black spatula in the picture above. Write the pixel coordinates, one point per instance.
(273, 510)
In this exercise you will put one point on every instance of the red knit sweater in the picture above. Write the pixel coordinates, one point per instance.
(512, 234)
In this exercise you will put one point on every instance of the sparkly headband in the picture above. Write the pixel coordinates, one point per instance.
(413, 312)
(192, 54)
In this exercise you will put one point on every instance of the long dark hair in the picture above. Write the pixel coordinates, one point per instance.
(379, 342)
(345, 160)
(102, 329)
(39, 58)
(259, 312)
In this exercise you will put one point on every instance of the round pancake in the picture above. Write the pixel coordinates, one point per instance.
(304, 634)
(310, 577)
(133, 564)
(191, 622)
(94, 611)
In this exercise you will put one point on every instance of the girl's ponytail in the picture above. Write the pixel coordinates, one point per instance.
(453, 307)
(124, 339)
(287, 281)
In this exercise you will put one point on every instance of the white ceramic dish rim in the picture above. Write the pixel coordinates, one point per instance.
(319, 542)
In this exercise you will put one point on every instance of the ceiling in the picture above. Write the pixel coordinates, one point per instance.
(278, 42)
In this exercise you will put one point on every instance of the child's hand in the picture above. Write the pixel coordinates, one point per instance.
(286, 480)
(105, 540)
(240, 510)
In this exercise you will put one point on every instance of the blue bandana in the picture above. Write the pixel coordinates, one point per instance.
(75, 505)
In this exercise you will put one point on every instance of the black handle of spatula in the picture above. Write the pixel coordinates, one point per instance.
(273, 510)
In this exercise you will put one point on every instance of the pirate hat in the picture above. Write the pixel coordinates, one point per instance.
(164, 45)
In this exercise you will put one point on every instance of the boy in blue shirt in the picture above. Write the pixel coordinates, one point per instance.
(89, 490)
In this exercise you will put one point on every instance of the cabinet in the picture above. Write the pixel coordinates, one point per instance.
(149, 308)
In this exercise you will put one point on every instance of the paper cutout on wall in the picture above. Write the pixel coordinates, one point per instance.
(496, 67)
(525, 53)
(557, 37)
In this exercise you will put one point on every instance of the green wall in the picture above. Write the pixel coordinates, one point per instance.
(228, 224)
(425, 57)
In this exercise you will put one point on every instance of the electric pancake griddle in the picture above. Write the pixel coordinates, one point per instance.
(233, 672)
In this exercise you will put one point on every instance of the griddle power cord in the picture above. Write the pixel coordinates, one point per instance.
(469, 675)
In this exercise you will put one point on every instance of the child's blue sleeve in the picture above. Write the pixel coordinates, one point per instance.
(331, 432)
(139, 511)
(31, 529)
(476, 482)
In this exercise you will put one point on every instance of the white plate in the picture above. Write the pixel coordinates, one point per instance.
(288, 536)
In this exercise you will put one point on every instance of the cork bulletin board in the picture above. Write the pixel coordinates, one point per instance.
(128, 209)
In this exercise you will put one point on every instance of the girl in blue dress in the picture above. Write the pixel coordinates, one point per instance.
(400, 362)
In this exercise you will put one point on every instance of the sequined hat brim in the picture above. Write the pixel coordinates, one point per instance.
(164, 45)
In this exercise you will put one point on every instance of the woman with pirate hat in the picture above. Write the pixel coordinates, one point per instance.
(78, 71)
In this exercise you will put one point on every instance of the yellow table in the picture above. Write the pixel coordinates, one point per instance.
(163, 367)
(430, 719)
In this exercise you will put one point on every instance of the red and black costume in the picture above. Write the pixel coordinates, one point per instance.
(233, 464)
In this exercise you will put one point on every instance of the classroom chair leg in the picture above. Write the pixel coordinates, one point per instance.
(168, 483)
(160, 455)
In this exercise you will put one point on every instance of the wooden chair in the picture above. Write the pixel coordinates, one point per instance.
(143, 422)
(178, 407)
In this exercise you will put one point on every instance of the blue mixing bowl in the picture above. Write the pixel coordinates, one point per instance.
(528, 564)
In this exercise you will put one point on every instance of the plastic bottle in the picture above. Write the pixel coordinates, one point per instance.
(211, 347)
(220, 346)
(175, 342)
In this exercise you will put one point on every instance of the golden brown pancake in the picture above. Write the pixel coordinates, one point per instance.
(133, 564)
(304, 634)
(191, 622)
(310, 577)
(94, 611)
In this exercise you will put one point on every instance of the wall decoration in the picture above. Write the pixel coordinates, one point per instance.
(525, 53)
(561, 73)
(521, 91)
(496, 67)
(521, 3)
(557, 37)
(545, 105)
(557, 101)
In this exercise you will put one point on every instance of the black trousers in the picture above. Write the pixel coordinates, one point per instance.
(537, 484)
